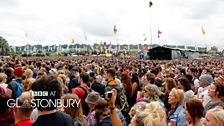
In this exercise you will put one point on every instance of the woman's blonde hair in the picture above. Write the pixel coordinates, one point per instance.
(178, 94)
(75, 110)
(28, 73)
(27, 84)
(153, 90)
(63, 77)
(218, 114)
(153, 115)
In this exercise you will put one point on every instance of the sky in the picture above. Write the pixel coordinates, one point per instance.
(49, 22)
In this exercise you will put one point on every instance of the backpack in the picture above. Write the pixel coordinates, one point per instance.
(121, 101)
(85, 107)
(19, 88)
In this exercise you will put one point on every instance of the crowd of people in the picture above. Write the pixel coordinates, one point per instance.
(103, 91)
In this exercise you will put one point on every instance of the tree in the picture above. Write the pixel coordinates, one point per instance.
(4, 46)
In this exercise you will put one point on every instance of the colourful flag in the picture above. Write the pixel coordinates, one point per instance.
(126, 47)
(73, 41)
(159, 33)
(104, 43)
(115, 29)
(203, 31)
(106, 52)
(145, 38)
(110, 46)
(101, 43)
(145, 48)
(99, 48)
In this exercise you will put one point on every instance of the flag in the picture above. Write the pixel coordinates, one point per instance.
(203, 31)
(101, 43)
(73, 41)
(126, 47)
(150, 4)
(104, 43)
(99, 48)
(145, 39)
(115, 29)
(159, 33)
(106, 52)
(90, 55)
(110, 46)
(145, 48)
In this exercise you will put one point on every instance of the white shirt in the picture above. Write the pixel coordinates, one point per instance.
(196, 83)
(203, 95)
(4, 86)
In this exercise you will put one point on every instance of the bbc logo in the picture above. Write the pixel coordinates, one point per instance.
(39, 93)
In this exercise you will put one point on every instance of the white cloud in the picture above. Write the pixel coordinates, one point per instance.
(57, 21)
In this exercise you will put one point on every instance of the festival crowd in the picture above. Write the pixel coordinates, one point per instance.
(111, 92)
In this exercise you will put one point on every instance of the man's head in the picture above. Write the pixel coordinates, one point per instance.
(75, 71)
(3, 78)
(83, 78)
(192, 71)
(24, 107)
(92, 76)
(205, 80)
(178, 69)
(18, 72)
(3, 102)
(110, 74)
(53, 86)
(92, 98)
(28, 73)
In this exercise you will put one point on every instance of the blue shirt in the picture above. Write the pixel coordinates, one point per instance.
(178, 116)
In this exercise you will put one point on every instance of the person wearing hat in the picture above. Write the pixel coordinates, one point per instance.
(16, 84)
(178, 72)
(96, 86)
(91, 100)
(205, 81)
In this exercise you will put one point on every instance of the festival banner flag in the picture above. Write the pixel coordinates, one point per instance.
(106, 52)
(110, 46)
(145, 48)
(145, 39)
(104, 43)
(159, 33)
(73, 41)
(150, 4)
(101, 44)
(126, 47)
(115, 29)
(203, 31)
(99, 48)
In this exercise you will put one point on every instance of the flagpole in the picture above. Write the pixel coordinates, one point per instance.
(150, 21)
